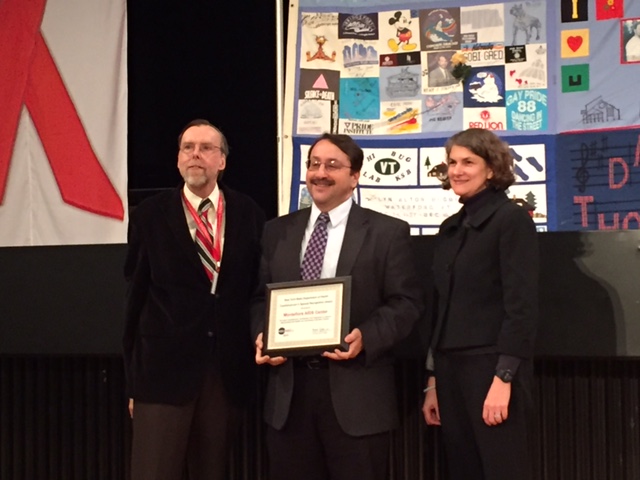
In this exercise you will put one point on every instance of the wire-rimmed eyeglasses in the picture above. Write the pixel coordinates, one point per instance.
(205, 148)
(332, 165)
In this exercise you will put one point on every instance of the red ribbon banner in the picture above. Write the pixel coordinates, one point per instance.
(29, 76)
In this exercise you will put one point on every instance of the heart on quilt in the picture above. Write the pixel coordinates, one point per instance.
(574, 43)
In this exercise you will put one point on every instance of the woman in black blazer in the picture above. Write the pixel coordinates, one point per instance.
(486, 278)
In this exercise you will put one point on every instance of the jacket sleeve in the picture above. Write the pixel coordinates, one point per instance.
(519, 270)
(137, 275)
(258, 297)
(402, 297)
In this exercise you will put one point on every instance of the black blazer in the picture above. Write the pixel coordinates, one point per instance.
(386, 301)
(486, 277)
(173, 322)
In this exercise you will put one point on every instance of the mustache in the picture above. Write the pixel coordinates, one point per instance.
(322, 181)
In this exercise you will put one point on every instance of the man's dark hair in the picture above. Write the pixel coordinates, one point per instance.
(347, 145)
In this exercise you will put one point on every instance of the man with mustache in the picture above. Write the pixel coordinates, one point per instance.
(191, 267)
(329, 415)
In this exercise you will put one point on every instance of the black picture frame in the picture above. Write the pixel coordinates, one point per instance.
(292, 306)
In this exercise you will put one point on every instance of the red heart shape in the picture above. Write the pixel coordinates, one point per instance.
(519, 80)
(511, 72)
(574, 43)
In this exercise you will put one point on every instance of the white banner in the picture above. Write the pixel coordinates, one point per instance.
(63, 122)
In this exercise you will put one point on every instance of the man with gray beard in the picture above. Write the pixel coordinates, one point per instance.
(191, 267)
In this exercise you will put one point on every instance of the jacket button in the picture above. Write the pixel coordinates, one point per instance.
(209, 334)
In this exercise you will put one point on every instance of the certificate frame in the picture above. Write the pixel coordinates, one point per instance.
(307, 317)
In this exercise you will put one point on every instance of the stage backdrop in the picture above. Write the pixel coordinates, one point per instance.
(63, 122)
(556, 79)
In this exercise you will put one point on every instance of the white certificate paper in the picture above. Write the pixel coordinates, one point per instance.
(307, 317)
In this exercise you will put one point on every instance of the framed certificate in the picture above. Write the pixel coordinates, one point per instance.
(307, 317)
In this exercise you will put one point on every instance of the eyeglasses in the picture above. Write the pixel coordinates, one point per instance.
(205, 148)
(330, 166)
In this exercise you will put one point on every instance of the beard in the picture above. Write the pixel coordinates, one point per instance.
(195, 179)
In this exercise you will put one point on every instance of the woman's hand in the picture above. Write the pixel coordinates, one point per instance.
(496, 405)
(430, 408)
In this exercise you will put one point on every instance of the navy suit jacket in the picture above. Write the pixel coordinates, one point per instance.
(174, 325)
(386, 301)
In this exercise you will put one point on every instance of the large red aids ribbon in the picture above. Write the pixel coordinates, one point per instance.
(29, 76)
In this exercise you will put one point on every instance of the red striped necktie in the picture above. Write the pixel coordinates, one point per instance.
(204, 238)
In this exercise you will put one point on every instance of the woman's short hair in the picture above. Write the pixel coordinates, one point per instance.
(494, 151)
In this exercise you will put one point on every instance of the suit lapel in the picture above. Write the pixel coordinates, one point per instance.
(233, 223)
(177, 220)
(292, 242)
(354, 235)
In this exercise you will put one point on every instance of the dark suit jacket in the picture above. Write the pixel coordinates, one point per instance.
(173, 323)
(438, 78)
(386, 301)
(486, 276)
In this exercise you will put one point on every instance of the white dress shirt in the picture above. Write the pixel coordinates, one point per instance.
(335, 230)
(195, 200)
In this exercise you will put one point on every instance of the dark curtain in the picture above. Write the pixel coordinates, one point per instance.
(210, 59)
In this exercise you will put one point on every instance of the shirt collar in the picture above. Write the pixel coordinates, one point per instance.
(195, 200)
(336, 216)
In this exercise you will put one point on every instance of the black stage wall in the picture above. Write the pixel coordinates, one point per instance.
(68, 300)
(62, 409)
(212, 59)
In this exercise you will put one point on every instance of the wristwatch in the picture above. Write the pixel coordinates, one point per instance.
(505, 375)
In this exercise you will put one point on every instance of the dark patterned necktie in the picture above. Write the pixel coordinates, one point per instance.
(204, 238)
(314, 254)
